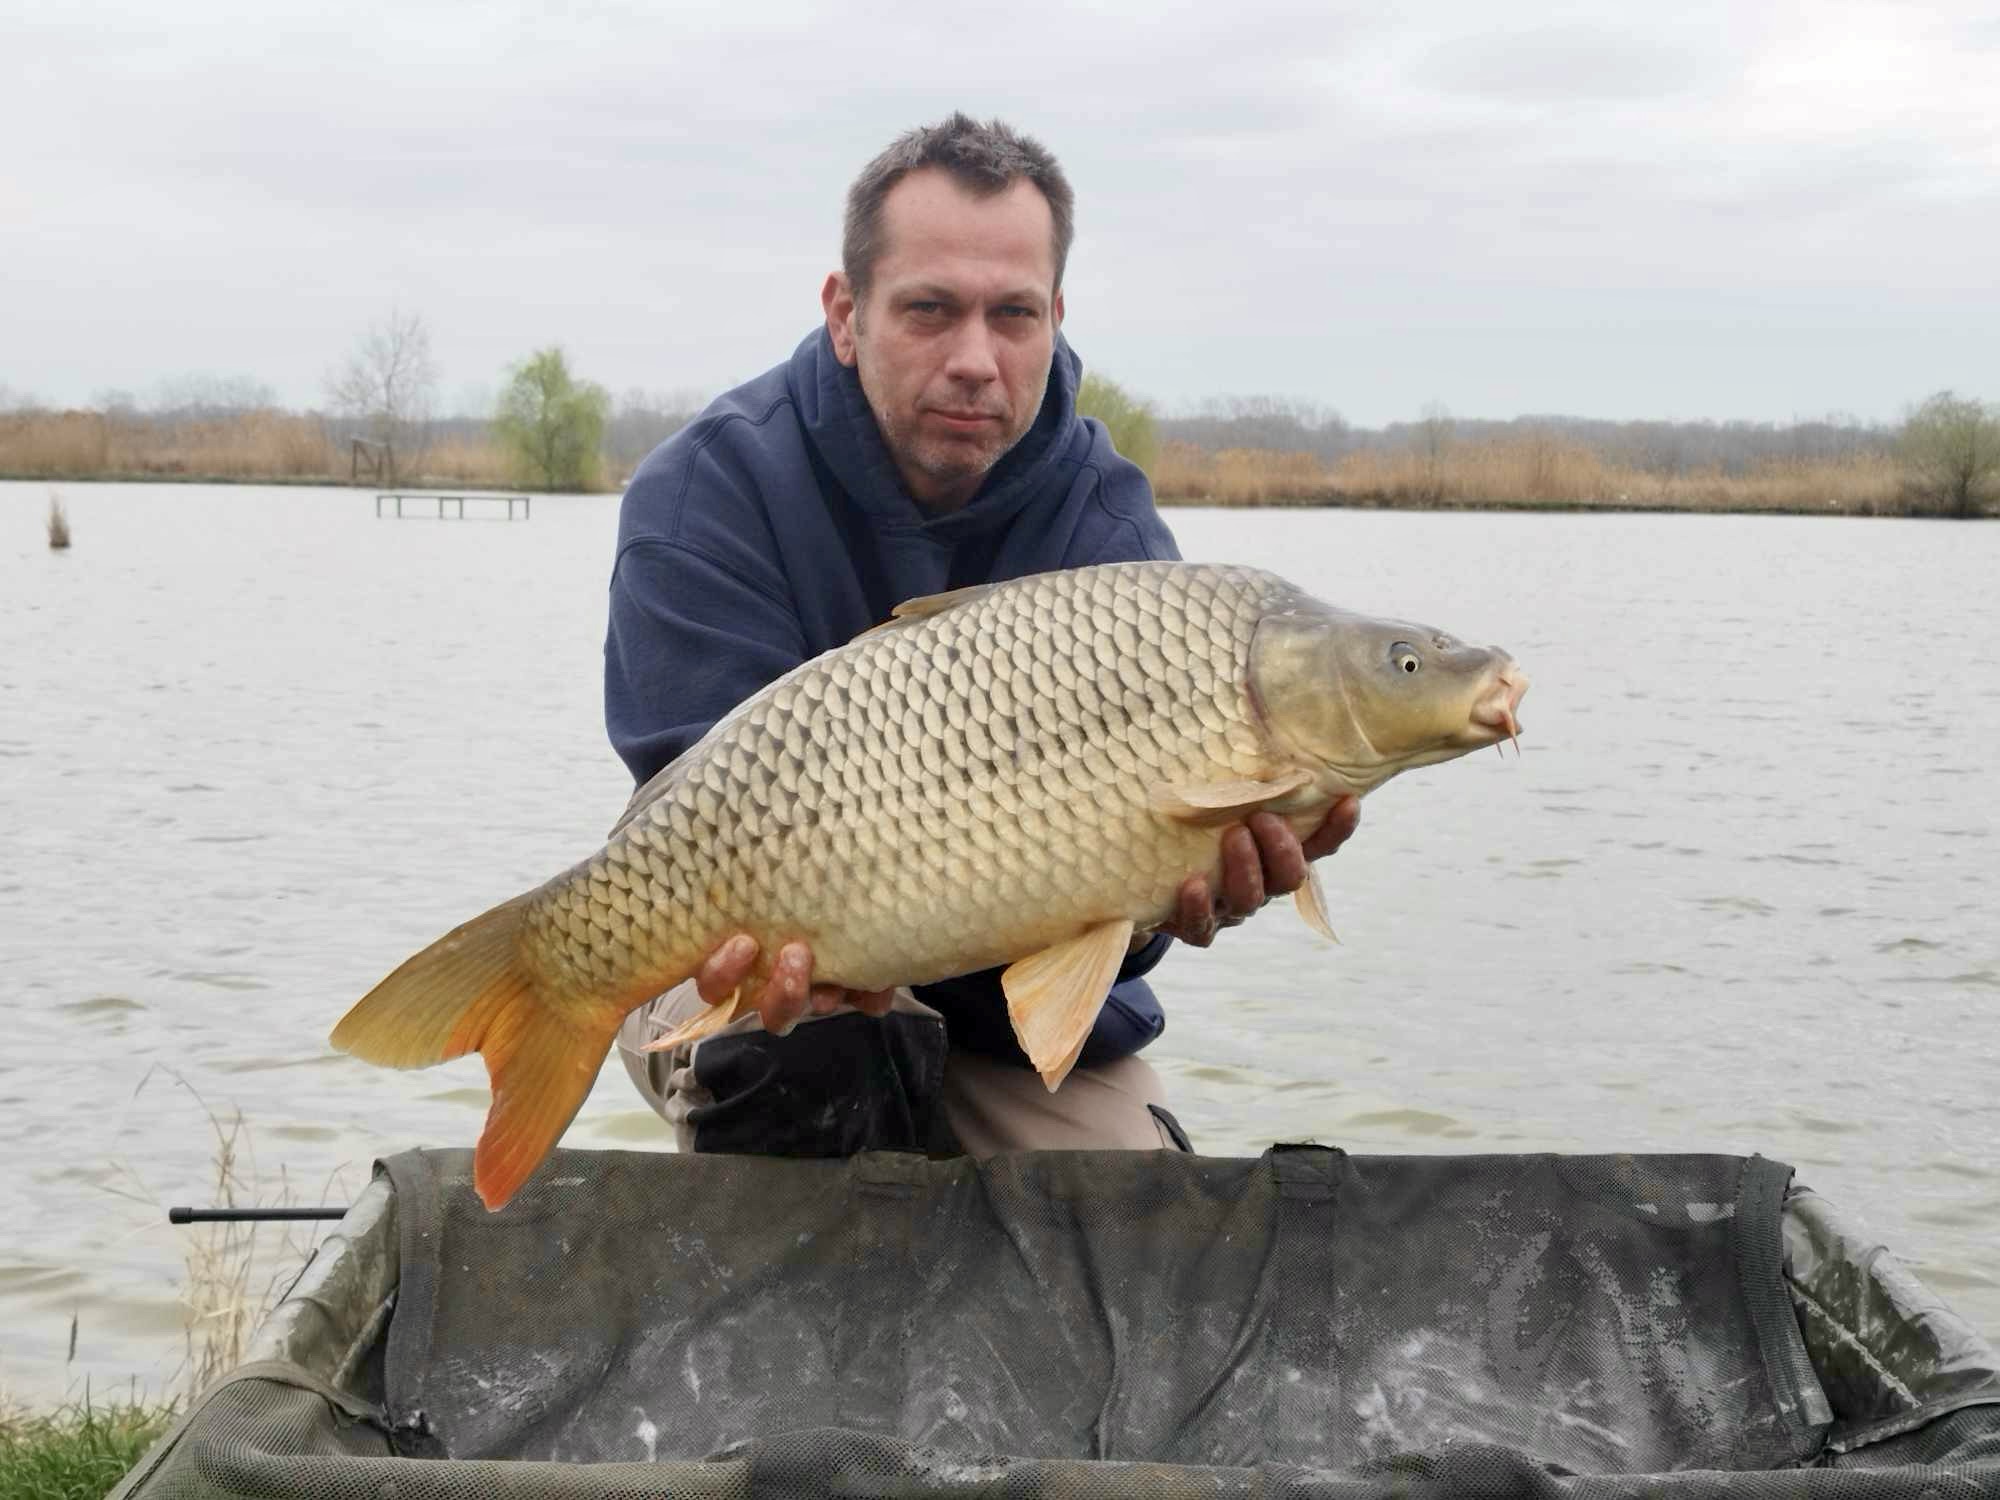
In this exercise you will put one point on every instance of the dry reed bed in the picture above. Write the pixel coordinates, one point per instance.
(88, 445)
(267, 445)
(1528, 473)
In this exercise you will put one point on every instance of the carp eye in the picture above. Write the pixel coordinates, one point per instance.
(1404, 655)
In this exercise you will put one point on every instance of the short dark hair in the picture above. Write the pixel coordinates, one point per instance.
(983, 159)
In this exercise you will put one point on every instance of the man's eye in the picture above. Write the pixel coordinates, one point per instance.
(1017, 312)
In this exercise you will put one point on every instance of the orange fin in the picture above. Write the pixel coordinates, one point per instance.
(542, 1068)
(712, 1019)
(1225, 801)
(1053, 997)
(437, 1004)
(470, 992)
(1311, 901)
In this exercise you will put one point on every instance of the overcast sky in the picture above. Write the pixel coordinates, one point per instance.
(1702, 210)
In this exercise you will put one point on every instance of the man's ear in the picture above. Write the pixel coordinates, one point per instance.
(1058, 310)
(837, 297)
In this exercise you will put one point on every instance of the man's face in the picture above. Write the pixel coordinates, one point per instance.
(954, 341)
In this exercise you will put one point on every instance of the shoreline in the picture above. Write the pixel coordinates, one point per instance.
(1362, 501)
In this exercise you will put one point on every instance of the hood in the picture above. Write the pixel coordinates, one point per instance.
(842, 430)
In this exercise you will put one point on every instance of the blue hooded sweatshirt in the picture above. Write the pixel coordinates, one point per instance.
(776, 526)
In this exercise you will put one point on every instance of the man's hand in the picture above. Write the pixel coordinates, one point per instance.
(789, 992)
(1261, 858)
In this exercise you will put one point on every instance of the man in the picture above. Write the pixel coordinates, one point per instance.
(926, 438)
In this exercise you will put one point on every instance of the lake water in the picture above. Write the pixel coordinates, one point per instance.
(1737, 893)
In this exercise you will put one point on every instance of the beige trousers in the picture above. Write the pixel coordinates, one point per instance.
(991, 1106)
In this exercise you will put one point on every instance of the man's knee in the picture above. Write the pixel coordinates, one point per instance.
(838, 1084)
(835, 1086)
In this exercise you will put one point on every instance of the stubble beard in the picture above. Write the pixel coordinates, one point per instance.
(944, 463)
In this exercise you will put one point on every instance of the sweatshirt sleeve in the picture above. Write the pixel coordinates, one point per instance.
(688, 640)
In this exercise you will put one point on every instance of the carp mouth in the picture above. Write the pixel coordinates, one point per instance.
(1494, 711)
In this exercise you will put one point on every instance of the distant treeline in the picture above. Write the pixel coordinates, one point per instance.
(1666, 449)
(1944, 459)
(36, 442)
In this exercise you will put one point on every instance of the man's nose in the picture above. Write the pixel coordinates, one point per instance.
(972, 357)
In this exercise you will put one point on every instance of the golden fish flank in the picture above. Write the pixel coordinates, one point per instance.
(1021, 773)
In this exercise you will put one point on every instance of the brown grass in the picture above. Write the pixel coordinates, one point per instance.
(1535, 473)
(236, 1273)
(260, 445)
(88, 445)
(464, 461)
(1523, 472)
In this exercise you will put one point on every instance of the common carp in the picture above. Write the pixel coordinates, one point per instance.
(1021, 773)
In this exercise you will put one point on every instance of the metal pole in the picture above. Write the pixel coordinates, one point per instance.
(249, 1215)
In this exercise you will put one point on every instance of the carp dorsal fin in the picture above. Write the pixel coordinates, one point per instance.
(925, 605)
(1225, 801)
(1053, 997)
(1310, 899)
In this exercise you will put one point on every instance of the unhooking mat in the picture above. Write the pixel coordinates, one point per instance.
(1302, 1324)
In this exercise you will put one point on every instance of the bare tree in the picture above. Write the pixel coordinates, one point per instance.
(646, 419)
(389, 385)
(1281, 424)
(1434, 434)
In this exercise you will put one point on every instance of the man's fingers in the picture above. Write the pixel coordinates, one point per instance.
(872, 1002)
(726, 968)
(1282, 859)
(788, 991)
(1335, 829)
(1194, 917)
(1242, 873)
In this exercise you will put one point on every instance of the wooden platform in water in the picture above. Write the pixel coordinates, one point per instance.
(436, 505)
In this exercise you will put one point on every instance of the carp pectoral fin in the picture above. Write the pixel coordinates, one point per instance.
(1053, 997)
(469, 992)
(1311, 901)
(1225, 801)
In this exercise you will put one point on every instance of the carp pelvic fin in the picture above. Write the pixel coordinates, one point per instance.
(712, 1019)
(1310, 899)
(1215, 802)
(470, 992)
(1053, 997)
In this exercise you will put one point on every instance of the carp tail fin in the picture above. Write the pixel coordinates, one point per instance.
(470, 991)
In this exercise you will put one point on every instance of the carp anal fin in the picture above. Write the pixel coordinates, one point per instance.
(1225, 801)
(1053, 997)
(1311, 902)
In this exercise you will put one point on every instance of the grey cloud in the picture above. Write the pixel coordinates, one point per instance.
(1362, 207)
(1567, 63)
